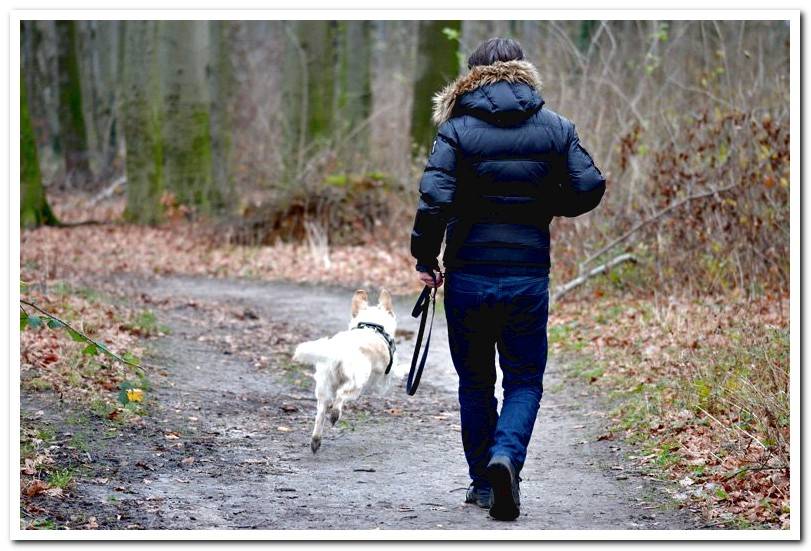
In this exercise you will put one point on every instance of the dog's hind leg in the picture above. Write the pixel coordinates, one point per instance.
(318, 431)
(325, 394)
(335, 411)
(345, 393)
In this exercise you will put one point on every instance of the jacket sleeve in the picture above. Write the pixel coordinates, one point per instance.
(583, 184)
(437, 190)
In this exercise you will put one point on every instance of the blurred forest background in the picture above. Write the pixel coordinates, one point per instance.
(293, 149)
(317, 129)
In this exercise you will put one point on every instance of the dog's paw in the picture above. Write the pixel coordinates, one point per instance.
(315, 443)
(334, 415)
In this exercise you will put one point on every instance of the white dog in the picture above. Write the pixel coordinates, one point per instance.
(353, 361)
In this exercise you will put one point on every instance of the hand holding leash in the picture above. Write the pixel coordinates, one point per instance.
(431, 279)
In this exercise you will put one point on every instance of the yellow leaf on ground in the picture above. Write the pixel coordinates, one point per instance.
(135, 395)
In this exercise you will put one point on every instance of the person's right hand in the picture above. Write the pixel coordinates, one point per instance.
(426, 279)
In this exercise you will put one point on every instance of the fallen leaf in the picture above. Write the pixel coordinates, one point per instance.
(28, 468)
(135, 395)
(35, 487)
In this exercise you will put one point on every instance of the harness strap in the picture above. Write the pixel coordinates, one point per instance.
(382, 332)
(428, 296)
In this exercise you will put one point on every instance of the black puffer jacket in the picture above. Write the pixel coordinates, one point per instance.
(500, 168)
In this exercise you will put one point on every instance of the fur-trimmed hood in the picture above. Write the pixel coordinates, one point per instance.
(511, 72)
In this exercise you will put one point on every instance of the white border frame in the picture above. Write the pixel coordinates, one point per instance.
(793, 16)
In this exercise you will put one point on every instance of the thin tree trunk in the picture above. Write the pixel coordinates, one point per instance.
(317, 39)
(73, 131)
(354, 90)
(437, 64)
(34, 208)
(185, 114)
(141, 117)
(221, 85)
(35, 78)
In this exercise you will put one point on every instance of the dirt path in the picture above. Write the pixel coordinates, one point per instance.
(227, 442)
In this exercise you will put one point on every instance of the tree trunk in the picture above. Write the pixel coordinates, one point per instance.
(530, 38)
(395, 47)
(354, 92)
(141, 118)
(73, 132)
(309, 81)
(221, 86)
(437, 64)
(100, 50)
(317, 38)
(185, 114)
(34, 209)
(35, 78)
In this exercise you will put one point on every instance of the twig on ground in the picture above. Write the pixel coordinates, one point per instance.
(109, 191)
(98, 345)
(754, 438)
(754, 469)
(566, 287)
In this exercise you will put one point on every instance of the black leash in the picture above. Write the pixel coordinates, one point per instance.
(380, 330)
(426, 298)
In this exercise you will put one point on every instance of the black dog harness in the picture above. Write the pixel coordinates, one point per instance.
(382, 332)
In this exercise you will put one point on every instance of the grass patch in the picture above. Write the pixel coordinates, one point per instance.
(61, 478)
(42, 524)
(79, 442)
(145, 323)
(46, 434)
(38, 384)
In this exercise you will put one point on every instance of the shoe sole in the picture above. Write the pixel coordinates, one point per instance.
(504, 506)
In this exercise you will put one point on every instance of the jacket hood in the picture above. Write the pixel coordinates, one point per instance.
(506, 91)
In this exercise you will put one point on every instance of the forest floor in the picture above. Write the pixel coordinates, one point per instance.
(660, 413)
(226, 441)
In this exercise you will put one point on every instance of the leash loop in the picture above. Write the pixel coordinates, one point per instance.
(427, 298)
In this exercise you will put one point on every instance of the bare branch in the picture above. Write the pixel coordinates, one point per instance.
(84, 336)
(604, 268)
(653, 218)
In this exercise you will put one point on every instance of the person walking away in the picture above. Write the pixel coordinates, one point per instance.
(501, 167)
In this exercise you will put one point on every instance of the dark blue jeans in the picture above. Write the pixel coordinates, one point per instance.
(508, 313)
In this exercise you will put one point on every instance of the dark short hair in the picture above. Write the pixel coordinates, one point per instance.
(493, 50)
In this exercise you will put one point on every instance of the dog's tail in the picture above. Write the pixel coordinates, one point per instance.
(313, 352)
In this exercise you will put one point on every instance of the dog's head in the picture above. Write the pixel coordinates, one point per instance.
(382, 313)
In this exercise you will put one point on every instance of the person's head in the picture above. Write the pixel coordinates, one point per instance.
(493, 50)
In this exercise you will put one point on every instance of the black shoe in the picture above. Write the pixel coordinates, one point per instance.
(506, 494)
(479, 496)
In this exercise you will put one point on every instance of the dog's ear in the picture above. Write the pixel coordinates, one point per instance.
(384, 301)
(359, 301)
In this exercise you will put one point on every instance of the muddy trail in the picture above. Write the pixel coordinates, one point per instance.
(226, 441)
